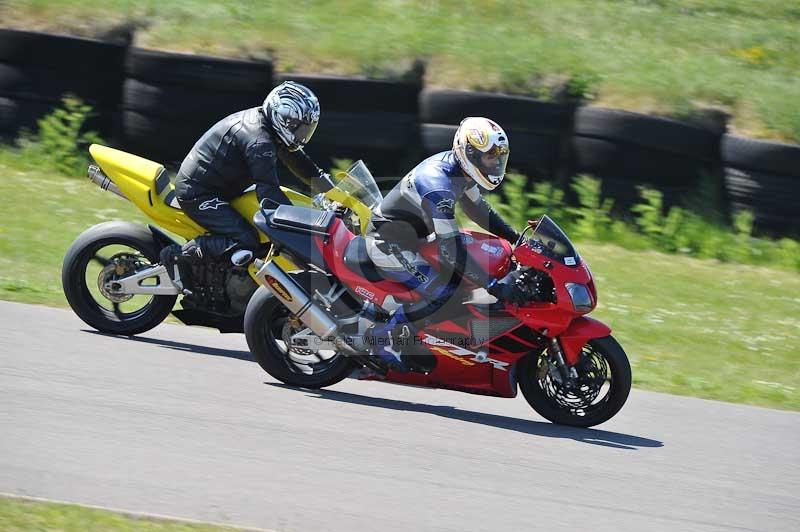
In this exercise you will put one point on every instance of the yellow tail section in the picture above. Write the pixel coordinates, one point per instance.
(137, 178)
(147, 185)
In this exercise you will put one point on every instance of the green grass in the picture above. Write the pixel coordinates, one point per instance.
(18, 515)
(649, 55)
(44, 212)
(699, 327)
(696, 229)
(691, 326)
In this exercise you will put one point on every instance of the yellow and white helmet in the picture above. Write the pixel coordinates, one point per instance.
(481, 148)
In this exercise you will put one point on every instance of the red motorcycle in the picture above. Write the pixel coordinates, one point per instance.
(310, 327)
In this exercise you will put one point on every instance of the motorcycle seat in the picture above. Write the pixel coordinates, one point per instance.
(357, 260)
(301, 219)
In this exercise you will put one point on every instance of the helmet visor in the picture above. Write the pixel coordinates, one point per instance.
(492, 163)
(301, 133)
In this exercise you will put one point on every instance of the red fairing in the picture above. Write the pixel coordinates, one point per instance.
(554, 318)
(333, 251)
(579, 274)
(459, 367)
(491, 253)
(486, 367)
(559, 319)
(580, 331)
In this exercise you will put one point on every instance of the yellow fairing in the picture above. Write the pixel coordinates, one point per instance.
(362, 211)
(136, 178)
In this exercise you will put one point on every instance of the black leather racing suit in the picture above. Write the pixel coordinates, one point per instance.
(236, 152)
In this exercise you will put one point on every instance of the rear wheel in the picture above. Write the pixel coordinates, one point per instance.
(101, 254)
(594, 396)
(268, 325)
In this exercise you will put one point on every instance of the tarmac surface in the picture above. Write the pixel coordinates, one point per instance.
(180, 422)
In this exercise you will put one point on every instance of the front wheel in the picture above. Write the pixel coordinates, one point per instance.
(101, 254)
(593, 396)
(268, 327)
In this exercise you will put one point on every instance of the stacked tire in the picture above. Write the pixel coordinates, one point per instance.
(764, 178)
(373, 120)
(169, 100)
(38, 69)
(536, 129)
(628, 149)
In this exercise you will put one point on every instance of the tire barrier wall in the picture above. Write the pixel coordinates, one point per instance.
(629, 149)
(365, 119)
(536, 130)
(37, 69)
(764, 177)
(157, 104)
(169, 100)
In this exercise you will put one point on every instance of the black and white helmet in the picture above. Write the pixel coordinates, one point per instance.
(293, 111)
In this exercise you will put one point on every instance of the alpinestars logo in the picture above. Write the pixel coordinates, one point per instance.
(410, 268)
(213, 203)
(446, 206)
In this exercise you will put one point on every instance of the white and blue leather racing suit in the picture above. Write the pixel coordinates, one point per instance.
(423, 204)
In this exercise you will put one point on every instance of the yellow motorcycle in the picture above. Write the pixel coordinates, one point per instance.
(111, 273)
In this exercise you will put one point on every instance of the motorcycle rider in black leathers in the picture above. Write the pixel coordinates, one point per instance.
(423, 203)
(236, 152)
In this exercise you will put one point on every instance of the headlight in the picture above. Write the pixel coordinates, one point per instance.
(581, 298)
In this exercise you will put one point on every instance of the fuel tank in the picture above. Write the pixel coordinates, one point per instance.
(493, 254)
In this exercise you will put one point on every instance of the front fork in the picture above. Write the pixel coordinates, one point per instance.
(567, 373)
(565, 349)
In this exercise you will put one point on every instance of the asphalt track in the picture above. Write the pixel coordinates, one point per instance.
(179, 422)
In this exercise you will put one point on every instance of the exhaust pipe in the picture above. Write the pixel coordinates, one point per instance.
(297, 300)
(100, 179)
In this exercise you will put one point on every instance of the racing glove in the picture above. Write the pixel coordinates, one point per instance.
(507, 292)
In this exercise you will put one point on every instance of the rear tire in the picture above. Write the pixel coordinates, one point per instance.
(533, 382)
(86, 305)
(266, 315)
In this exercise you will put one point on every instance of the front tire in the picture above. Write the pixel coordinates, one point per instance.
(265, 327)
(604, 382)
(96, 310)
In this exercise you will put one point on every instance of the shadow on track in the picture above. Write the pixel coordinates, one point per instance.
(181, 346)
(525, 426)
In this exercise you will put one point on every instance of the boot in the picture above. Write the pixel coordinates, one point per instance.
(178, 267)
(208, 247)
(388, 339)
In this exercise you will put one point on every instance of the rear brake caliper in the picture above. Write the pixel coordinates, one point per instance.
(119, 266)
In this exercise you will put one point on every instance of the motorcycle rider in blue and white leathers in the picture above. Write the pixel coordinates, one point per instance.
(423, 203)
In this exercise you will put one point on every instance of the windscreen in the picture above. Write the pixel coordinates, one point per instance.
(549, 240)
(359, 183)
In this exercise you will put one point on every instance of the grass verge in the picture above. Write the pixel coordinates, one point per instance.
(690, 326)
(700, 327)
(20, 515)
(44, 212)
(648, 55)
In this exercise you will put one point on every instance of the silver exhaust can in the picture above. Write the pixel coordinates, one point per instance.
(100, 179)
(296, 299)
